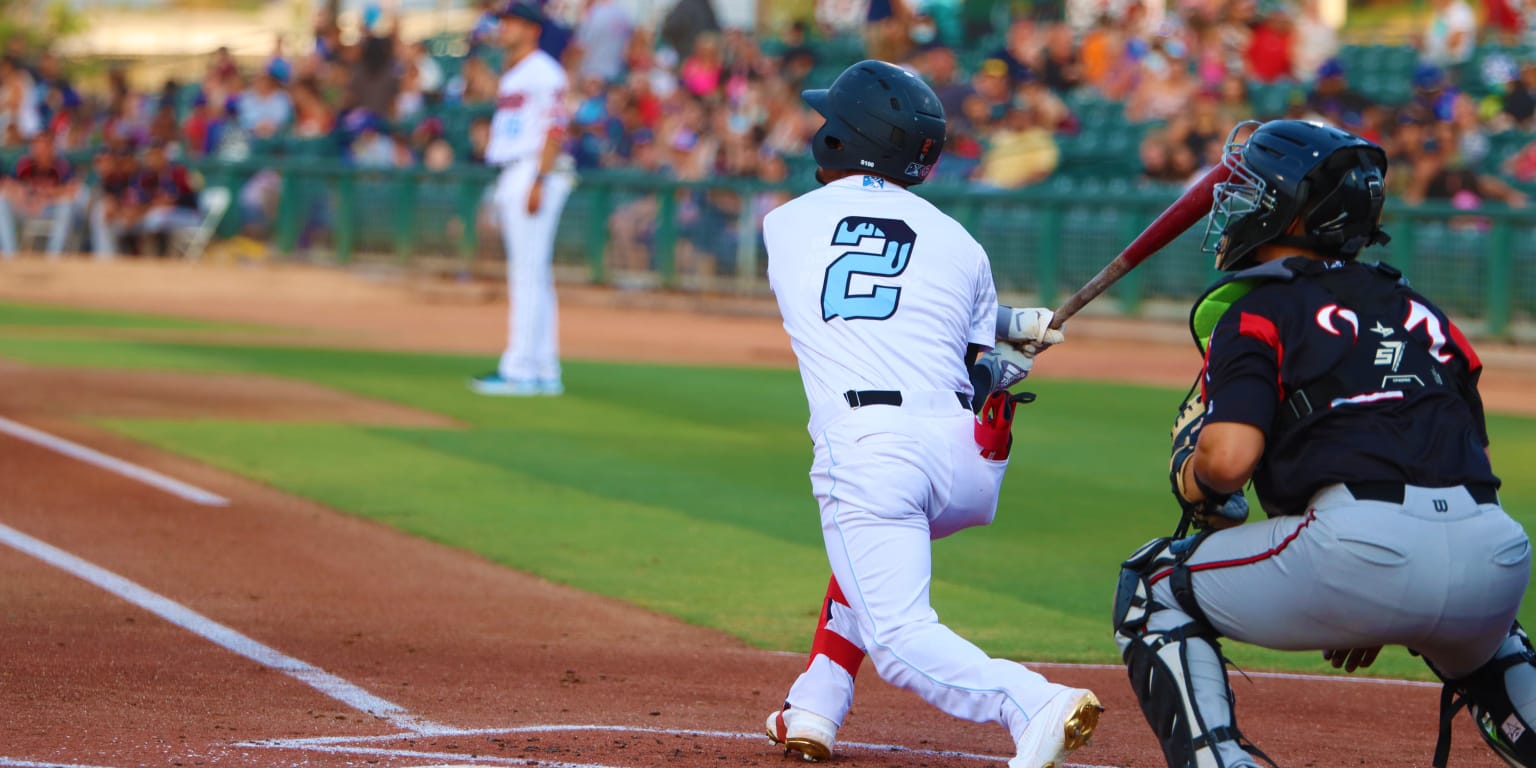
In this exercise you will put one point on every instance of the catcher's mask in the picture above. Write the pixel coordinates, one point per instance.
(1334, 181)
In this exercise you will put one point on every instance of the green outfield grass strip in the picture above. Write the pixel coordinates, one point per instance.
(762, 588)
(16, 317)
(684, 489)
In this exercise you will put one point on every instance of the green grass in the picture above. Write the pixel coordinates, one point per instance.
(684, 489)
(16, 317)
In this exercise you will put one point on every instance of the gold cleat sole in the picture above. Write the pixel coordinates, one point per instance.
(1080, 726)
(810, 751)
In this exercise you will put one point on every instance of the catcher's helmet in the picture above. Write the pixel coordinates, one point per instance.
(1333, 180)
(880, 118)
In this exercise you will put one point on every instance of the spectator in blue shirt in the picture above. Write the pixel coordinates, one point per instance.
(265, 108)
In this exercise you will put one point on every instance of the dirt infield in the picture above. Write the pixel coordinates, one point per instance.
(142, 627)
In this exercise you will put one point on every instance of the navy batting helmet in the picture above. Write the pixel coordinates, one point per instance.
(1333, 180)
(880, 118)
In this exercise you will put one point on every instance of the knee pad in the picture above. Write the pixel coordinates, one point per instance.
(1156, 560)
(1490, 695)
(1177, 672)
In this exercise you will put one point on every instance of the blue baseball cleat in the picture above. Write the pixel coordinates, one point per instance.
(495, 384)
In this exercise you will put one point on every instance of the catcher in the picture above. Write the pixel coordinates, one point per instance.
(1350, 401)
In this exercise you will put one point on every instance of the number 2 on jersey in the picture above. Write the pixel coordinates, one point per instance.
(837, 296)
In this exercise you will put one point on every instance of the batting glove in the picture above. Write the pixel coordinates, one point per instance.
(1028, 327)
(1005, 365)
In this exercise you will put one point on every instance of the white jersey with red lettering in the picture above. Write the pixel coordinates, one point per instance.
(530, 106)
(530, 99)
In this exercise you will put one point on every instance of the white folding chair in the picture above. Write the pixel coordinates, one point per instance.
(36, 230)
(190, 242)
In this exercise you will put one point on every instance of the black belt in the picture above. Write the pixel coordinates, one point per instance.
(1392, 493)
(860, 397)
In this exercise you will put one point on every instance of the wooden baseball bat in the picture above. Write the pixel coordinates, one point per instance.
(1172, 222)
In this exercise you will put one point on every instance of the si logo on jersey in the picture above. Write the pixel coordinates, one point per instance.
(1327, 315)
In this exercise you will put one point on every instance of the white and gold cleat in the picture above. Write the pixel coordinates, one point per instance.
(1064, 724)
(805, 732)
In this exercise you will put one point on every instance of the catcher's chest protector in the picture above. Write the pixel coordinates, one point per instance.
(1386, 360)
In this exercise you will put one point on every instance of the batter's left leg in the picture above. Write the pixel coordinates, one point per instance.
(822, 695)
(884, 567)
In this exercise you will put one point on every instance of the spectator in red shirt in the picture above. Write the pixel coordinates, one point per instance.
(42, 186)
(1269, 49)
(195, 127)
(1504, 18)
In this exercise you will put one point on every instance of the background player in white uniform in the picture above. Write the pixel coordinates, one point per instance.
(527, 132)
(887, 301)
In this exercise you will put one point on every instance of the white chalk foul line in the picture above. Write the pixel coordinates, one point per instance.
(356, 745)
(112, 464)
(196, 623)
(10, 763)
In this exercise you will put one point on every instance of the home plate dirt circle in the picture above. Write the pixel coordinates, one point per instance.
(528, 745)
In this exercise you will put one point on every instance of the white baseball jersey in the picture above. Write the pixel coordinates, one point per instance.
(530, 100)
(878, 289)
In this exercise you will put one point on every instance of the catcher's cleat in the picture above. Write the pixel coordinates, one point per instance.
(1064, 724)
(800, 731)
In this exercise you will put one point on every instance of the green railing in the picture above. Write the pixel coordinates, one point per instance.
(1044, 240)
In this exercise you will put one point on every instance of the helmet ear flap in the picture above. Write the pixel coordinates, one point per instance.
(1345, 219)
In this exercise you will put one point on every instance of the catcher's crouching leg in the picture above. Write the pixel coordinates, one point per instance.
(1175, 661)
(1501, 697)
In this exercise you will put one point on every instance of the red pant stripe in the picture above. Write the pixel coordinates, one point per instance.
(1265, 555)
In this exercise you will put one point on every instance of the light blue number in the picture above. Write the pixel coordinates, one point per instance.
(837, 298)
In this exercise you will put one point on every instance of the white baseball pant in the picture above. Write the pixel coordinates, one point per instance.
(889, 479)
(533, 351)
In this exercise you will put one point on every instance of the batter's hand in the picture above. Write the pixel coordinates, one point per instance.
(1006, 365)
(1352, 659)
(1027, 327)
(535, 195)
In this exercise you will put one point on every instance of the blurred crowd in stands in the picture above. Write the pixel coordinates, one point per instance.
(1130, 96)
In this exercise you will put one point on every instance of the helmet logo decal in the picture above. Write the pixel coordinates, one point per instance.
(922, 154)
(1326, 315)
(919, 170)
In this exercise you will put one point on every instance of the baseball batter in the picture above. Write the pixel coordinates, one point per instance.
(527, 132)
(887, 301)
(1350, 401)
